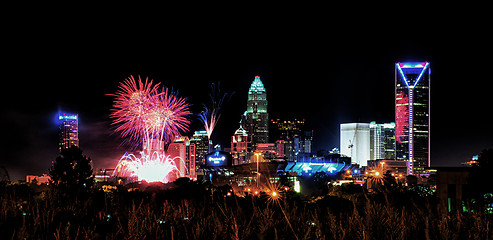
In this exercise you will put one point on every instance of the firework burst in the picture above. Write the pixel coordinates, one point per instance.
(210, 116)
(144, 113)
(154, 168)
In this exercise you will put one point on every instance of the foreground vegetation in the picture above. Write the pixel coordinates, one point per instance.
(200, 211)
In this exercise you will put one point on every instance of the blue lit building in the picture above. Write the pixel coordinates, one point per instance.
(69, 130)
(412, 115)
(330, 164)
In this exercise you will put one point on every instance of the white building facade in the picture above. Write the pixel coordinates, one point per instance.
(355, 142)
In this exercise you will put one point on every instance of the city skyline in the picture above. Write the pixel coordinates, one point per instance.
(328, 80)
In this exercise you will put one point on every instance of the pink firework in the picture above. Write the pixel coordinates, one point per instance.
(154, 168)
(146, 115)
(142, 112)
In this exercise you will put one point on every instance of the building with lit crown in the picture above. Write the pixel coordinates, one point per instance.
(412, 115)
(256, 118)
(69, 130)
(241, 147)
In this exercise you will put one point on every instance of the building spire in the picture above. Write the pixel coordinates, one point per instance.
(257, 86)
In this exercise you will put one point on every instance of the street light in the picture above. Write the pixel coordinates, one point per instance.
(257, 154)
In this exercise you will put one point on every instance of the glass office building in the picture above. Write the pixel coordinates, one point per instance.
(69, 130)
(412, 114)
(382, 141)
(256, 118)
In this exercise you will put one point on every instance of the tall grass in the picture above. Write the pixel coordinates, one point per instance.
(159, 215)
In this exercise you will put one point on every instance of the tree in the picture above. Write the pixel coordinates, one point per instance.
(485, 159)
(479, 188)
(71, 172)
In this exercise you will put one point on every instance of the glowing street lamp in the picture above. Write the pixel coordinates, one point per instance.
(257, 154)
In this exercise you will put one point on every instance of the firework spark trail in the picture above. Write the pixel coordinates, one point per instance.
(144, 114)
(210, 116)
(132, 101)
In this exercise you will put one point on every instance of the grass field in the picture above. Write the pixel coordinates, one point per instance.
(199, 212)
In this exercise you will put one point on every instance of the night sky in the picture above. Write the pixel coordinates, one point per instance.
(325, 68)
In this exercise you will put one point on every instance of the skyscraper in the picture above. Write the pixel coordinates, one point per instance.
(202, 144)
(256, 118)
(355, 142)
(69, 130)
(412, 114)
(293, 137)
(241, 147)
(183, 153)
(382, 141)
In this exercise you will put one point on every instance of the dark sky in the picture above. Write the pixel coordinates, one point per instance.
(324, 66)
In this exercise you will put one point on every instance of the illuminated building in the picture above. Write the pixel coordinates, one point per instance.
(292, 139)
(69, 130)
(45, 179)
(330, 164)
(202, 144)
(182, 148)
(355, 142)
(382, 141)
(256, 120)
(241, 147)
(412, 114)
(473, 162)
(396, 168)
(267, 152)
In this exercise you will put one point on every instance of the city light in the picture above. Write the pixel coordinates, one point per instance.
(67, 117)
(297, 187)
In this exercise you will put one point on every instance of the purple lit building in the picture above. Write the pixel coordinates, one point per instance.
(412, 115)
(69, 130)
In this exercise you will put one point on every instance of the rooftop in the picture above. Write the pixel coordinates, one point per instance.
(257, 86)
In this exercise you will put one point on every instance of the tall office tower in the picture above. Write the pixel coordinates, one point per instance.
(412, 114)
(241, 147)
(382, 141)
(256, 120)
(306, 142)
(69, 130)
(355, 142)
(184, 153)
(202, 144)
(293, 138)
